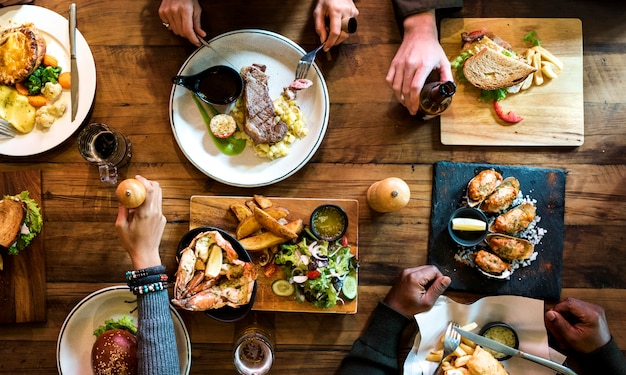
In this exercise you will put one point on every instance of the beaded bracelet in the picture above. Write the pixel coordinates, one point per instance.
(154, 287)
(136, 274)
(147, 280)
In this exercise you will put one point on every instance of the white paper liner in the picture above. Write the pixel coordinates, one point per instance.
(524, 314)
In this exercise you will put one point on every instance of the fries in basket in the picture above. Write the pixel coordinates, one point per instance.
(467, 359)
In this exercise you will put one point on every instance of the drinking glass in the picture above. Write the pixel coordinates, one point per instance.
(254, 351)
(108, 149)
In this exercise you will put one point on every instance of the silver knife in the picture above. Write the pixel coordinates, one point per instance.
(501, 348)
(74, 66)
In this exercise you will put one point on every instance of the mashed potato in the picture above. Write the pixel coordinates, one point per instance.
(289, 112)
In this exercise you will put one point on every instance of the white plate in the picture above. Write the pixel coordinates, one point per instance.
(76, 337)
(55, 30)
(238, 49)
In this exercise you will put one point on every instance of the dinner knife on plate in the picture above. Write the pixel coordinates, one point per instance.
(504, 349)
(73, 65)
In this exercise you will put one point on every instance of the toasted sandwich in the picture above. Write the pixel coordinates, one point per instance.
(489, 64)
(20, 222)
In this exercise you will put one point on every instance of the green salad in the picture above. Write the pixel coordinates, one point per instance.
(320, 272)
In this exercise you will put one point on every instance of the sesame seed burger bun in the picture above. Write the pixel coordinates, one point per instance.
(115, 353)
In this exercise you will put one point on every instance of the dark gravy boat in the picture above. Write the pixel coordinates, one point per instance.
(219, 86)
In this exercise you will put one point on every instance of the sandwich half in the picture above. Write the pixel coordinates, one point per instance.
(492, 67)
(20, 222)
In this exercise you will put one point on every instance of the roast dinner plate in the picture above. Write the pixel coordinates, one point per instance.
(76, 337)
(215, 211)
(55, 30)
(238, 49)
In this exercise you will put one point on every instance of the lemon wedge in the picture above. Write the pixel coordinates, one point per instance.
(214, 265)
(468, 224)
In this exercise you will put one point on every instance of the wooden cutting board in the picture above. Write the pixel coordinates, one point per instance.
(215, 211)
(542, 278)
(553, 112)
(23, 281)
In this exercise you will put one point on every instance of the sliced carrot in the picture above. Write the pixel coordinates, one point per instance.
(37, 100)
(49, 60)
(21, 88)
(65, 80)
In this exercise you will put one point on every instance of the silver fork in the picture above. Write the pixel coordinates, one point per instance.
(7, 130)
(302, 69)
(451, 341)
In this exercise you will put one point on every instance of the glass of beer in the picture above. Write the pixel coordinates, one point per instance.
(254, 351)
(106, 148)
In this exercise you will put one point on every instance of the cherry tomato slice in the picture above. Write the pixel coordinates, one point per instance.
(270, 270)
(313, 274)
(509, 116)
(344, 241)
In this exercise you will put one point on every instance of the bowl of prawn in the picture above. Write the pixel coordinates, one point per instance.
(226, 314)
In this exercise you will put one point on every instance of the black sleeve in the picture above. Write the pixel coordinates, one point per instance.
(606, 360)
(376, 351)
(405, 8)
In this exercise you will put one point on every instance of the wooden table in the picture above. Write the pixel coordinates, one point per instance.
(370, 137)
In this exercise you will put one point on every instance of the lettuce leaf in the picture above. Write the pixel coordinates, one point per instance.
(125, 323)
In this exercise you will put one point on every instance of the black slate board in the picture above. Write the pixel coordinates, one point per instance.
(542, 279)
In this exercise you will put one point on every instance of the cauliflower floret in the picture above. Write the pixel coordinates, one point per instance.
(49, 113)
(52, 91)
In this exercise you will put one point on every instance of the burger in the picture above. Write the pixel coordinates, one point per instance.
(115, 349)
(20, 222)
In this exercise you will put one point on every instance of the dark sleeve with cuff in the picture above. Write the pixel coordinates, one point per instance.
(157, 350)
(606, 360)
(405, 8)
(376, 351)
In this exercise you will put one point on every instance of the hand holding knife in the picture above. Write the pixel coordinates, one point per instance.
(74, 66)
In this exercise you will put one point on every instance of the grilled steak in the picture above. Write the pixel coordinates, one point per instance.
(261, 123)
(21, 51)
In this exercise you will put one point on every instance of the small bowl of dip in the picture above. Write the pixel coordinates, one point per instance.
(502, 333)
(329, 222)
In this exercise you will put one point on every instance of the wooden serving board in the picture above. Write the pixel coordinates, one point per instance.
(23, 280)
(553, 112)
(215, 211)
(542, 278)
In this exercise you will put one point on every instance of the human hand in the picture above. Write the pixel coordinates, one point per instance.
(183, 18)
(419, 54)
(140, 229)
(417, 289)
(578, 325)
(335, 11)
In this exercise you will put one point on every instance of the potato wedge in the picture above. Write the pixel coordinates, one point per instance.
(251, 205)
(241, 211)
(262, 201)
(270, 224)
(250, 224)
(269, 239)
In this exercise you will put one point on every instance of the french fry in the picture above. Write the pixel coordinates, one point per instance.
(546, 55)
(462, 361)
(270, 224)
(250, 224)
(537, 65)
(262, 201)
(435, 355)
(528, 81)
(269, 239)
(241, 211)
(549, 69)
(467, 348)
(470, 326)
(251, 205)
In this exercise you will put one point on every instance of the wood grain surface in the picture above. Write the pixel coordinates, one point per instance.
(23, 280)
(553, 112)
(215, 211)
(370, 137)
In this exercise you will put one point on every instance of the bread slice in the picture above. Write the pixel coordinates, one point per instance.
(22, 49)
(490, 70)
(11, 219)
